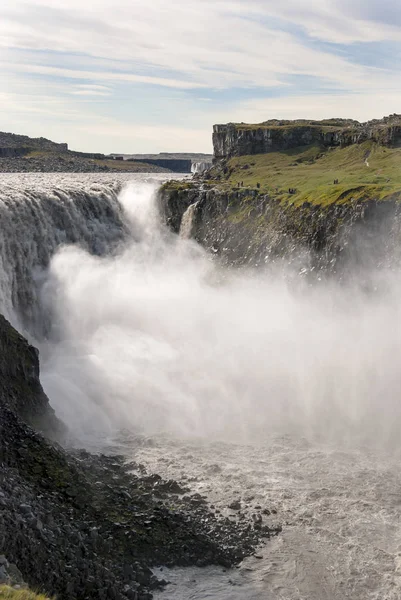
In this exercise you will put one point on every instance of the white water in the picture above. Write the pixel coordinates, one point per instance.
(187, 222)
(159, 339)
(340, 511)
(241, 384)
(38, 213)
(200, 167)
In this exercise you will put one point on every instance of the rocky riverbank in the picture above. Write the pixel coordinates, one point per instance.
(79, 525)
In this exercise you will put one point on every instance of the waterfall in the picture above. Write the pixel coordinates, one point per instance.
(200, 167)
(187, 222)
(152, 335)
(37, 216)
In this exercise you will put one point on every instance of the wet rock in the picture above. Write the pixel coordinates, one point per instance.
(88, 526)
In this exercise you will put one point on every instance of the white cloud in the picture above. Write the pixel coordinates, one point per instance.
(72, 62)
(361, 106)
(96, 75)
(208, 43)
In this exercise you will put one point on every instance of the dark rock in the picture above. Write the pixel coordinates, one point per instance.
(239, 139)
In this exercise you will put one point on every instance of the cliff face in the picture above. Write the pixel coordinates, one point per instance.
(20, 387)
(242, 227)
(235, 139)
(296, 190)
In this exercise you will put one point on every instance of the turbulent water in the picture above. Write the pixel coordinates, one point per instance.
(38, 214)
(246, 385)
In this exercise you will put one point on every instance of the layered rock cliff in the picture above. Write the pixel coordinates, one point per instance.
(321, 194)
(238, 139)
(242, 227)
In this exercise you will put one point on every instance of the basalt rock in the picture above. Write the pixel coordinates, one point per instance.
(79, 525)
(239, 139)
(244, 227)
(20, 387)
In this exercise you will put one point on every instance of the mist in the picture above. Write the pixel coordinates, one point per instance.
(158, 338)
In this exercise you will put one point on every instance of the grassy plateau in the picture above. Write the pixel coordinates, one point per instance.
(364, 171)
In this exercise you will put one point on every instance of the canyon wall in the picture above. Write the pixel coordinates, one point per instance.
(238, 139)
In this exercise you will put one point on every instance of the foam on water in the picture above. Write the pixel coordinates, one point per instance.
(340, 511)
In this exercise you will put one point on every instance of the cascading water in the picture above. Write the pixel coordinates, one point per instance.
(38, 216)
(200, 167)
(187, 222)
(157, 337)
(243, 384)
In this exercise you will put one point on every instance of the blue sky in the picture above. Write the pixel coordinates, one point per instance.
(140, 76)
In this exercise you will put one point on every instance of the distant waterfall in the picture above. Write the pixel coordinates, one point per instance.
(187, 223)
(200, 167)
(39, 215)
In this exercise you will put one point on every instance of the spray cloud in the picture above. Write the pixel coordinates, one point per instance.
(158, 338)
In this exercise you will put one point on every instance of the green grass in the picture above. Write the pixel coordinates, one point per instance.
(8, 593)
(177, 185)
(365, 171)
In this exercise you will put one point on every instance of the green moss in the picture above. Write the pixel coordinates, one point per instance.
(364, 171)
(177, 185)
(9, 593)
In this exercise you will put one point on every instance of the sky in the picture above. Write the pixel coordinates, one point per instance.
(155, 75)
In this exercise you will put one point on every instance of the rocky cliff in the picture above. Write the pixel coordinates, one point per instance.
(243, 227)
(20, 388)
(238, 139)
(320, 194)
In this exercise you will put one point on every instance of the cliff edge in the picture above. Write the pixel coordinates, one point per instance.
(20, 387)
(327, 191)
(239, 139)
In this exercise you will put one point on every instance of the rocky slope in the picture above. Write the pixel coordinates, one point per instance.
(83, 526)
(46, 162)
(20, 153)
(12, 144)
